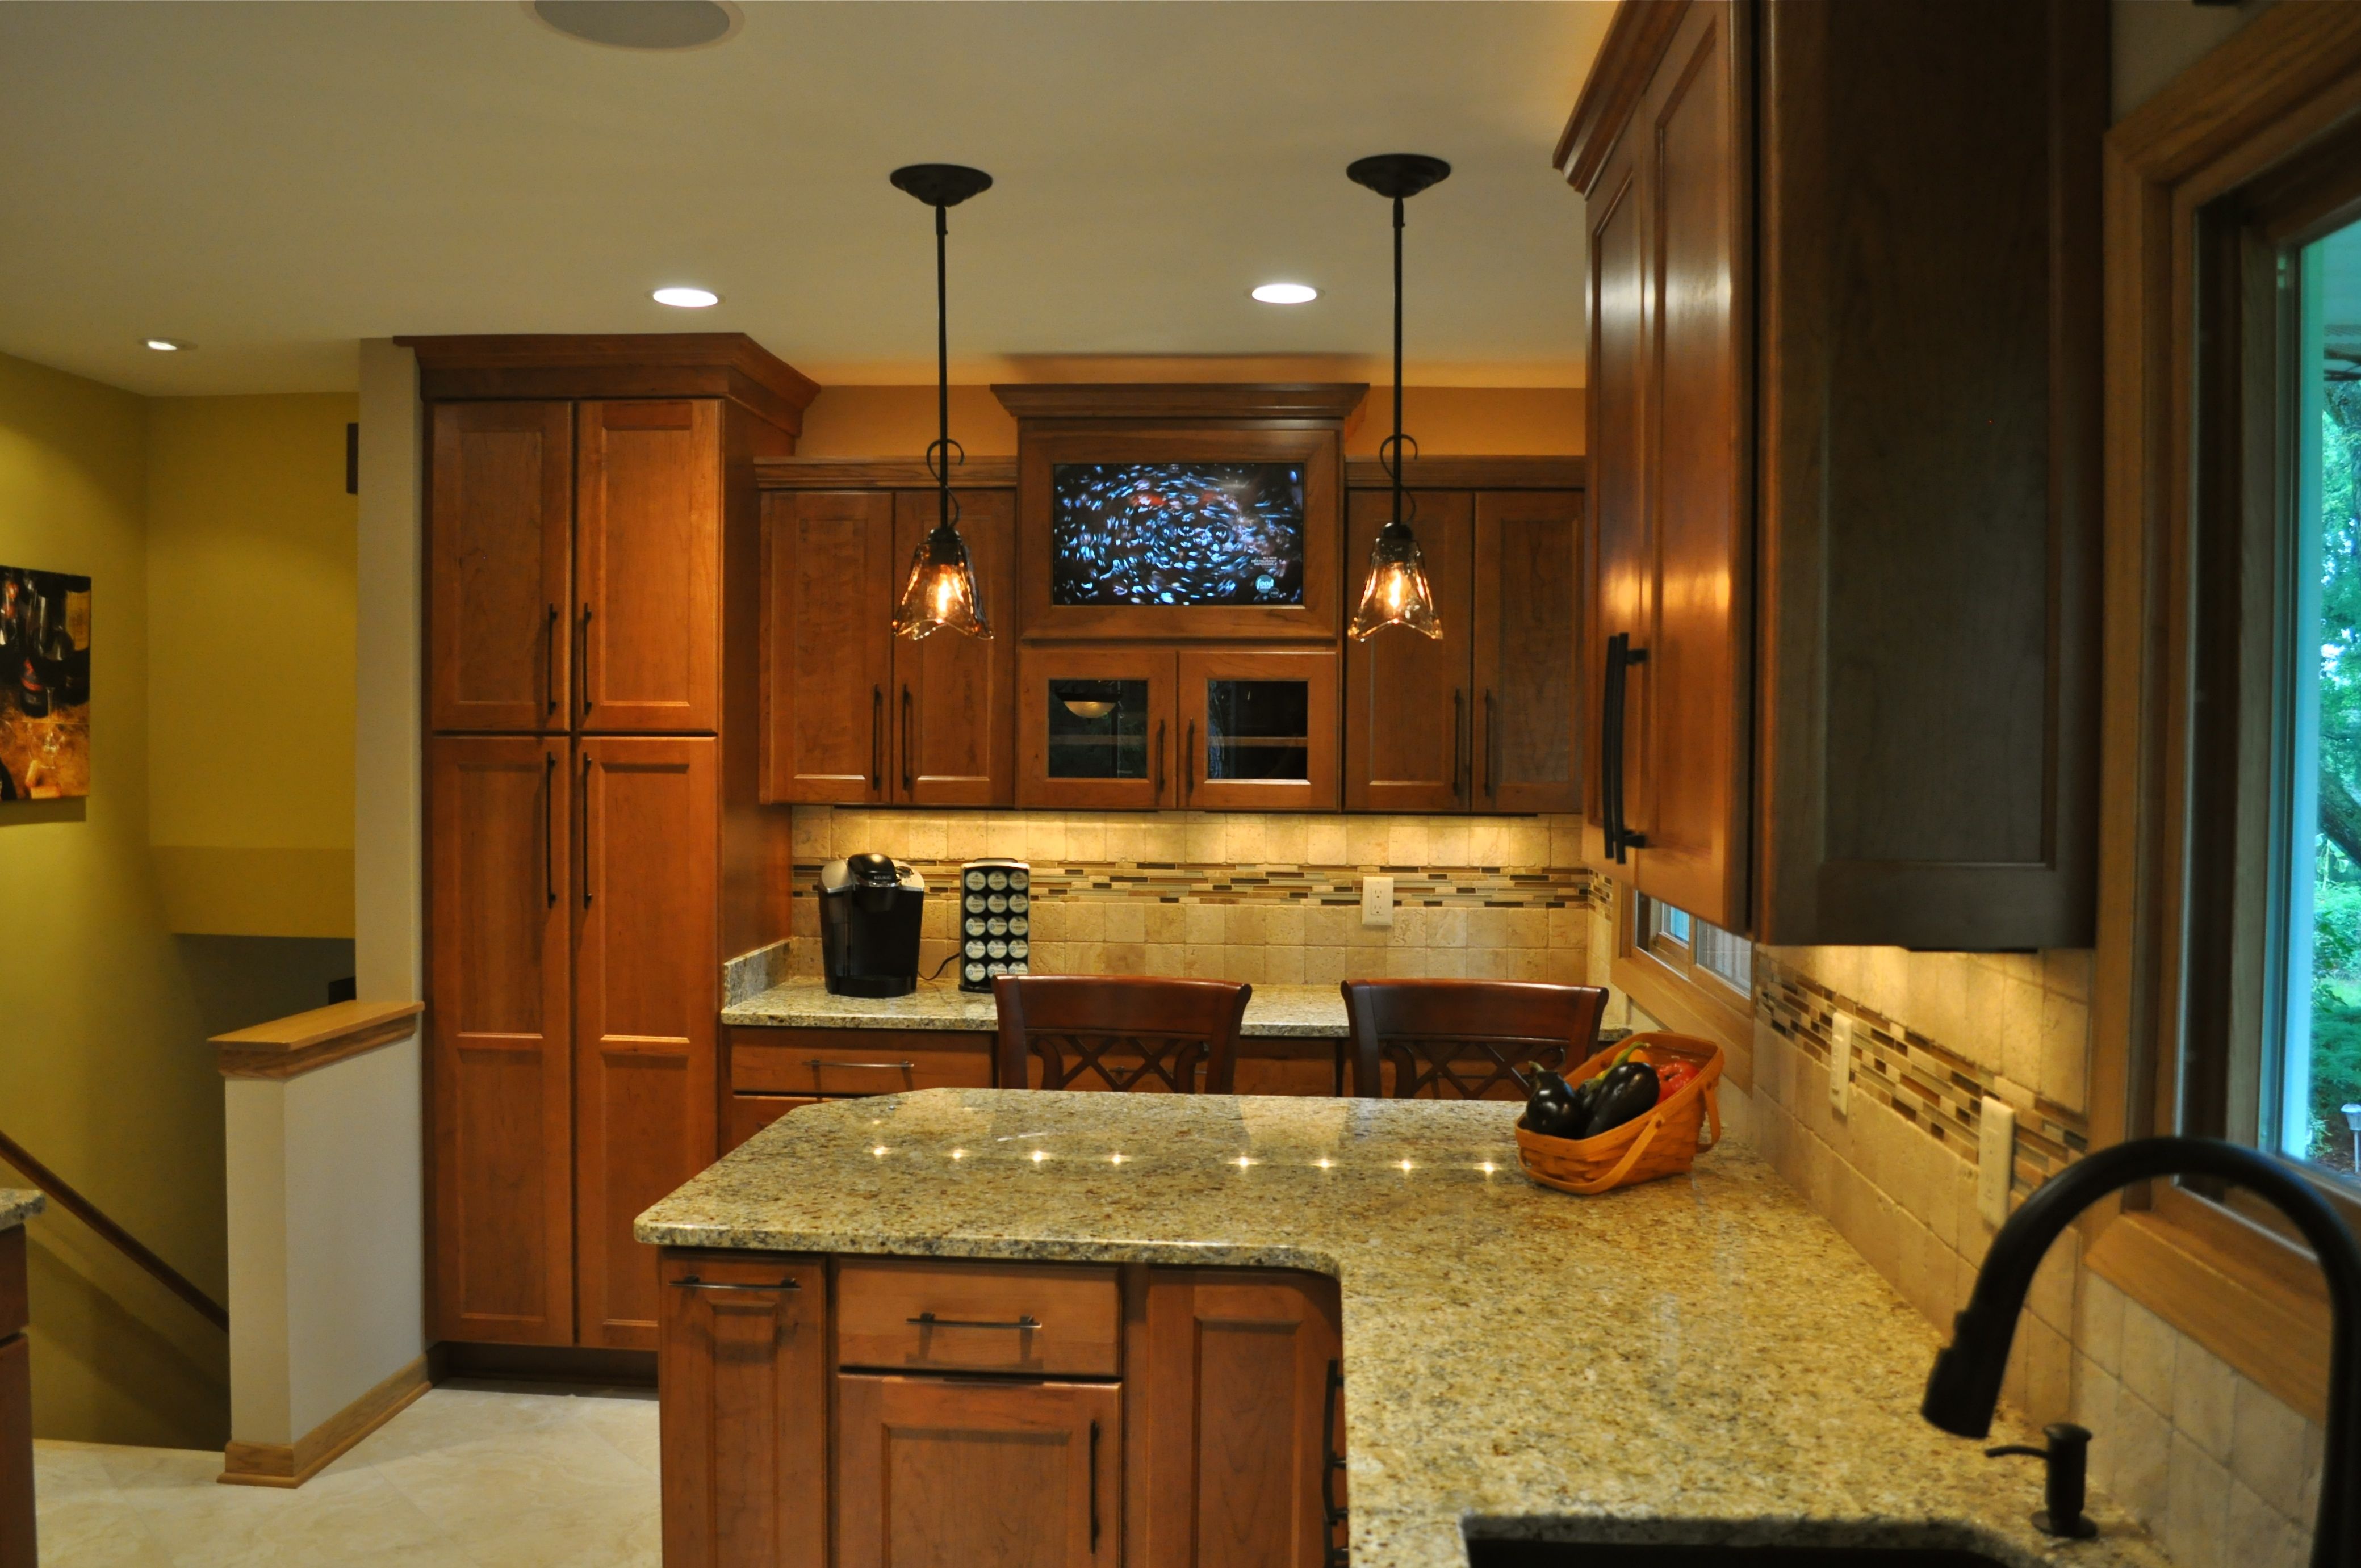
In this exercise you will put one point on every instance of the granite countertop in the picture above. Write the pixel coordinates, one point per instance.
(1304, 1010)
(19, 1204)
(1695, 1359)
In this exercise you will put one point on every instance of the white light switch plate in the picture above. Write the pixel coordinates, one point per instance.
(1377, 901)
(1996, 1160)
(1840, 1064)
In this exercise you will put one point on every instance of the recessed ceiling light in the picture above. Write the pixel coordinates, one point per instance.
(686, 299)
(1286, 294)
(167, 345)
(642, 24)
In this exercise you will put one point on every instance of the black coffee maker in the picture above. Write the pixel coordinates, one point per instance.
(869, 909)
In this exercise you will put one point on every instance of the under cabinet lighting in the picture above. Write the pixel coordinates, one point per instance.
(1286, 294)
(167, 345)
(686, 299)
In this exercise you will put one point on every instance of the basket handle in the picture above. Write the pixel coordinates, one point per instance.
(1713, 1112)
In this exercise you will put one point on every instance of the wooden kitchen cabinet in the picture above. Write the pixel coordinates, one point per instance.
(1096, 728)
(648, 552)
(854, 714)
(1259, 730)
(499, 565)
(743, 1428)
(1851, 544)
(1235, 1433)
(577, 916)
(1487, 717)
(498, 921)
(980, 1474)
(645, 1009)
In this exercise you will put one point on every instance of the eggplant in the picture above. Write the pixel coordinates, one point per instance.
(1550, 1106)
(1625, 1091)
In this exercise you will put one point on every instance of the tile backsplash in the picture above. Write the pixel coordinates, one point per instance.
(2219, 1469)
(1268, 898)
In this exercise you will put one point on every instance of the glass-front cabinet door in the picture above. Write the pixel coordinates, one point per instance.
(1259, 730)
(1096, 728)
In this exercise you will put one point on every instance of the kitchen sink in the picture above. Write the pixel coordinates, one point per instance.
(1659, 1554)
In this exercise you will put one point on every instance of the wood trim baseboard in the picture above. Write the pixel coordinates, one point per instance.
(292, 1463)
(304, 1042)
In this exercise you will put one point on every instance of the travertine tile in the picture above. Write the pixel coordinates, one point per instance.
(2065, 1051)
(2196, 1525)
(2272, 1449)
(2203, 1391)
(2150, 1344)
(2143, 1446)
(2262, 1537)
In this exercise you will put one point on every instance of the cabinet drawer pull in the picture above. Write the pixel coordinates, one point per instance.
(928, 1321)
(1095, 1488)
(878, 1066)
(693, 1283)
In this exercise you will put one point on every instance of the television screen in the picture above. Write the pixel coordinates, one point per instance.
(1176, 534)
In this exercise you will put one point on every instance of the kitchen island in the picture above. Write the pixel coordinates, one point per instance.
(1698, 1359)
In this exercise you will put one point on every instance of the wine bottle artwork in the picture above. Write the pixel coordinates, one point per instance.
(45, 685)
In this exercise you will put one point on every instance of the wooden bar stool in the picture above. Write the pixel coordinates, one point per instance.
(1465, 1039)
(1120, 1033)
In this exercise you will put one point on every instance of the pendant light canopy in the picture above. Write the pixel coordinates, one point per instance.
(941, 589)
(1397, 592)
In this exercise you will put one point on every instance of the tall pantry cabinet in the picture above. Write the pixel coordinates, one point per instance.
(593, 557)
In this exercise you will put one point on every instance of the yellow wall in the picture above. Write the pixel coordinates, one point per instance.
(250, 552)
(893, 422)
(103, 1012)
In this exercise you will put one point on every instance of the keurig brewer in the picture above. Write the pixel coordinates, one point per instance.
(869, 911)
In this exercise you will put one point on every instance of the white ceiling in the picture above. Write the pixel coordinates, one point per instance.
(272, 181)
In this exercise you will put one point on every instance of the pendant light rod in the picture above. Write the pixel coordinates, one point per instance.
(943, 361)
(1398, 368)
(941, 589)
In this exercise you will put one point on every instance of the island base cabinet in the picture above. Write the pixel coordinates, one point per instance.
(743, 1424)
(960, 1473)
(1235, 1429)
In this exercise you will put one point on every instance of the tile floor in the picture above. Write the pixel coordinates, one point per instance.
(473, 1476)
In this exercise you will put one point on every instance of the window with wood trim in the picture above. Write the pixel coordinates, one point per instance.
(2228, 1002)
(1689, 974)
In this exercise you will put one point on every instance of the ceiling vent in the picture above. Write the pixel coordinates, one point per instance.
(642, 24)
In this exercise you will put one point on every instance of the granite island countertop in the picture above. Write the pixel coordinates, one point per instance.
(1300, 1011)
(19, 1204)
(1700, 1358)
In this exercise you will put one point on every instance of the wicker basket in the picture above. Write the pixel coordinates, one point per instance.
(1663, 1142)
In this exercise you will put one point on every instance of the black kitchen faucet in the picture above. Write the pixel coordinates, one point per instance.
(1964, 1387)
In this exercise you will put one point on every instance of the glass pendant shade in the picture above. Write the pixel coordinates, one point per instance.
(1397, 592)
(941, 592)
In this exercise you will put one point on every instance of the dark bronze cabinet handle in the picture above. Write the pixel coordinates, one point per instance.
(874, 1066)
(1332, 1460)
(1159, 761)
(928, 1321)
(549, 661)
(1189, 764)
(691, 1282)
(586, 830)
(876, 739)
(1491, 746)
(582, 670)
(1458, 743)
(1095, 1488)
(908, 764)
(549, 825)
(1620, 657)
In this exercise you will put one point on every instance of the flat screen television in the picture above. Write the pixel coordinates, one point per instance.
(1176, 534)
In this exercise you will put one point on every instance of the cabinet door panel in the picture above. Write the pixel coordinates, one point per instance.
(744, 1414)
(1257, 730)
(744, 1115)
(1622, 565)
(647, 1005)
(1236, 1420)
(1406, 720)
(500, 1064)
(499, 556)
(1693, 786)
(648, 532)
(955, 709)
(933, 1473)
(1096, 728)
(828, 634)
(1529, 639)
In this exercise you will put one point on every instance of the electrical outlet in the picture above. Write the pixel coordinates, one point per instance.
(1377, 901)
(1996, 1160)
(1840, 1064)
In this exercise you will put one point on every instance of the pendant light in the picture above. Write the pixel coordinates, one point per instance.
(1397, 592)
(940, 590)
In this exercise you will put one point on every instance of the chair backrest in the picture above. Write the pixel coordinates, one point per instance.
(1465, 1039)
(1118, 1032)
